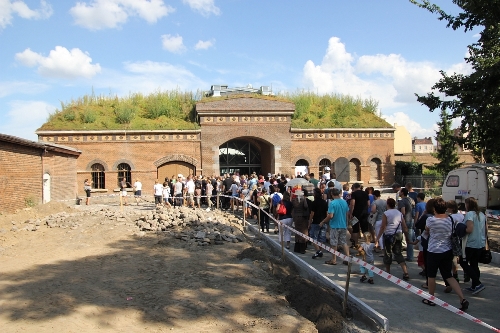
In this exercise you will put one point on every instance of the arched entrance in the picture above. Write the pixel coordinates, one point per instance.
(240, 156)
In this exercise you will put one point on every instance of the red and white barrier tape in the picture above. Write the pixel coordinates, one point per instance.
(399, 282)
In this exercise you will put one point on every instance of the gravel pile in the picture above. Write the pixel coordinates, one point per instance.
(201, 227)
(194, 226)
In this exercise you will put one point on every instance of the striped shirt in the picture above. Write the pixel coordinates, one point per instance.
(439, 234)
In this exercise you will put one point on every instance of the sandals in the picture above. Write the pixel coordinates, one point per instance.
(424, 286)
(406, 277)
(329, 262)
(429, 303)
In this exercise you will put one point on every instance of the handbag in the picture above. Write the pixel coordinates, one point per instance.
(391, 239)
(282, 209)
(372, 218)
(456, 247)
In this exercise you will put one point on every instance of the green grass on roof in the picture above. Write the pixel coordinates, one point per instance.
(176, 110)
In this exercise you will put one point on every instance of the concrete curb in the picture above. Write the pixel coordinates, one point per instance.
(314, 275)
(495, 257)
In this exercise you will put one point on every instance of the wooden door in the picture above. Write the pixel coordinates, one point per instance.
(174, 168)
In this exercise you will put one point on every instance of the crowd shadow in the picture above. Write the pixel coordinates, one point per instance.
(141, 274)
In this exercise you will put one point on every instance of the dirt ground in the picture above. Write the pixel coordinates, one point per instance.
(100, 274)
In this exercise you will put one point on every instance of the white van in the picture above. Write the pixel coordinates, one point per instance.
(480, 181)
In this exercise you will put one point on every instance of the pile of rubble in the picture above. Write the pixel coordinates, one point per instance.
(196, 227)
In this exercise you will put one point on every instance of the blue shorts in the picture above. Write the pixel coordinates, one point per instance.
(137, 193)
(318, 233)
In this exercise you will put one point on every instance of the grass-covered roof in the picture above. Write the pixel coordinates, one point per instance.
(176, 110)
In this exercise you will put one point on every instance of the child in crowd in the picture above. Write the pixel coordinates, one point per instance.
(366, 251)
(420, 258)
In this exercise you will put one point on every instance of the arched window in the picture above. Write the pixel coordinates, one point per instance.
(355, 170)
(375, 169)
(301, 167)
(324, 163)
(124, 171)
(98, 179)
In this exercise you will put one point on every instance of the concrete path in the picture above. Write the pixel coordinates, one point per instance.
(404, 310)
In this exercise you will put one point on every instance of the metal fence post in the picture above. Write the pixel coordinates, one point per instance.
(344, 305)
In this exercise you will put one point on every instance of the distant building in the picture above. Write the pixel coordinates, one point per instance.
(424, 145)
(460, 147)
(402, 140)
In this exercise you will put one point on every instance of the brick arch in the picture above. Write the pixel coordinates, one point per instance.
(356, 156)
(372, 157)
(120, 161)
(302, 157)
(332, 160)
(97, 161)
(253, 138)
(177, 157)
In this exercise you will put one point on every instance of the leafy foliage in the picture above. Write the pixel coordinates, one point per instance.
(408, 168)
(474, 97)
(176, 110)
(447, 152)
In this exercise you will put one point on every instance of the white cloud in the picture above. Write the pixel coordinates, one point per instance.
(102, 14)
(415, 129)
(204, 45)
(24, 117)
(18, 87)
(10, 8)
(390, 79)
(61, 63)
(150, 76)
(173, 44)
(204, 7)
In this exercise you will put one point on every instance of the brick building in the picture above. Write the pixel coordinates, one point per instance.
(35, 172)
(240, 134)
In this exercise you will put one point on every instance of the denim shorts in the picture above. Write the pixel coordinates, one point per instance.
(318, 233)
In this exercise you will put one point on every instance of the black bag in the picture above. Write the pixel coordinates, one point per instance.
(456, 246)
(485, 257)
(391, 239)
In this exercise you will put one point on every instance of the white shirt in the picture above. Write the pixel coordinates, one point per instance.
(158, 189)
(166, 192)
(178, 188)
(190, 186)
(138, 186)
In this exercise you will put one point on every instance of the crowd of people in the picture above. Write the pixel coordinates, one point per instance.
(346, 217)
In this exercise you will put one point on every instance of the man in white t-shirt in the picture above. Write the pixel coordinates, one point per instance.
(158, 191)
(137, 191)
(190, 191)
(326, 174)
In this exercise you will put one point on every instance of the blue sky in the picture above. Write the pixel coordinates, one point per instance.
(52, 51)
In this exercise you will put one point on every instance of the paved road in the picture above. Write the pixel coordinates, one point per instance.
(404, 310)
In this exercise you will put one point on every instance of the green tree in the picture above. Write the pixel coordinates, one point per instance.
(447, 152)
(475, 98)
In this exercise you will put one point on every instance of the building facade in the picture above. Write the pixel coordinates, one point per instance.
(35, 172)
(240, 134)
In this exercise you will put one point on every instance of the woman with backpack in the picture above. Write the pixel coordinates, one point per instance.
(439, 252)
